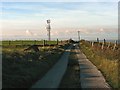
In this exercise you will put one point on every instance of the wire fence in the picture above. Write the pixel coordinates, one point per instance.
(103, 44)
(32, 42)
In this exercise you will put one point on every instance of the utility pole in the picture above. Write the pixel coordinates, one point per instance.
(79, 35)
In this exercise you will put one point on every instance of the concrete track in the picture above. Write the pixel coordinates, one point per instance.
(54, 76)
(90, 76)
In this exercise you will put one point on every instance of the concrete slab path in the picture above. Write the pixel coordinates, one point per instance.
(54, 76)
(1, 70)
(90, 76)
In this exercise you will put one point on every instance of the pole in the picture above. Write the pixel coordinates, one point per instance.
(79, 35)
(57, 41)
(48, 29)
(98, 40)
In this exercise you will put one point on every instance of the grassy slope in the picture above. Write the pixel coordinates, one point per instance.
(71, 79)
(22, 69)
(105, 61)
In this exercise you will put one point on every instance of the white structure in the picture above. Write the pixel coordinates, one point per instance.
(79, 35)
(48, 29)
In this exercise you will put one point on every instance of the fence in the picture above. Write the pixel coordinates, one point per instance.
(29, 42)
(104, 44)
(34, 42)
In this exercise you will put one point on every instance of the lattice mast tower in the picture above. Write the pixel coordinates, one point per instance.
(48, 29)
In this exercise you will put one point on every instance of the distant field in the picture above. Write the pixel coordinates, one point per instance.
(27, 42)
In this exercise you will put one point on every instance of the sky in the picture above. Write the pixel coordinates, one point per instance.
(27, 20)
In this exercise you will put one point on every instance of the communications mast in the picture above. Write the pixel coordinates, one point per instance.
(79, 35)
(48, 29)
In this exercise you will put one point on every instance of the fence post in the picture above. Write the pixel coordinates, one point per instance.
(116, 42)
(103, 45)
(92, 44)
(98, 40)
(61, 41)
(43, 43)
(46, 42)
(115, 45)
(34, 42)
(9, 42)
(104, 41)
(108, 45)
(57, 41)
(22, 42)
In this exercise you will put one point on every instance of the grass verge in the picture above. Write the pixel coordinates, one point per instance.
(108, 67)
(22, 69)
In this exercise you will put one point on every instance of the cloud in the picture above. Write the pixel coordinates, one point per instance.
(56, 33)
(29, 33)
(83, 14)
(69, 19)
(67, 31)
(101, 30)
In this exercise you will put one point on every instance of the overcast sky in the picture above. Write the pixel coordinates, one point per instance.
(28, 19)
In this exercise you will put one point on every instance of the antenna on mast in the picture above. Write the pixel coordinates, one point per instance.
(48, 29)
(78, 35)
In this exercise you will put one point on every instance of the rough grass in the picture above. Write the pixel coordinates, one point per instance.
(71, 79)
(22, 69)
(106, 62)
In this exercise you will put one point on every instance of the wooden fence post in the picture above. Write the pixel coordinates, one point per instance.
(92, 44)
(103, 45)
(57, 41)
(108, 45)
(98, 40)
(115, 45)
(9, 42)
(104, 41)
(43, 43)
(34, 42)
(46, 42)
(61, 41)
(22, 42)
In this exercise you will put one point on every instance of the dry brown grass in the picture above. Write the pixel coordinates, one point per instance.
(105, 60)
(22, 69)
